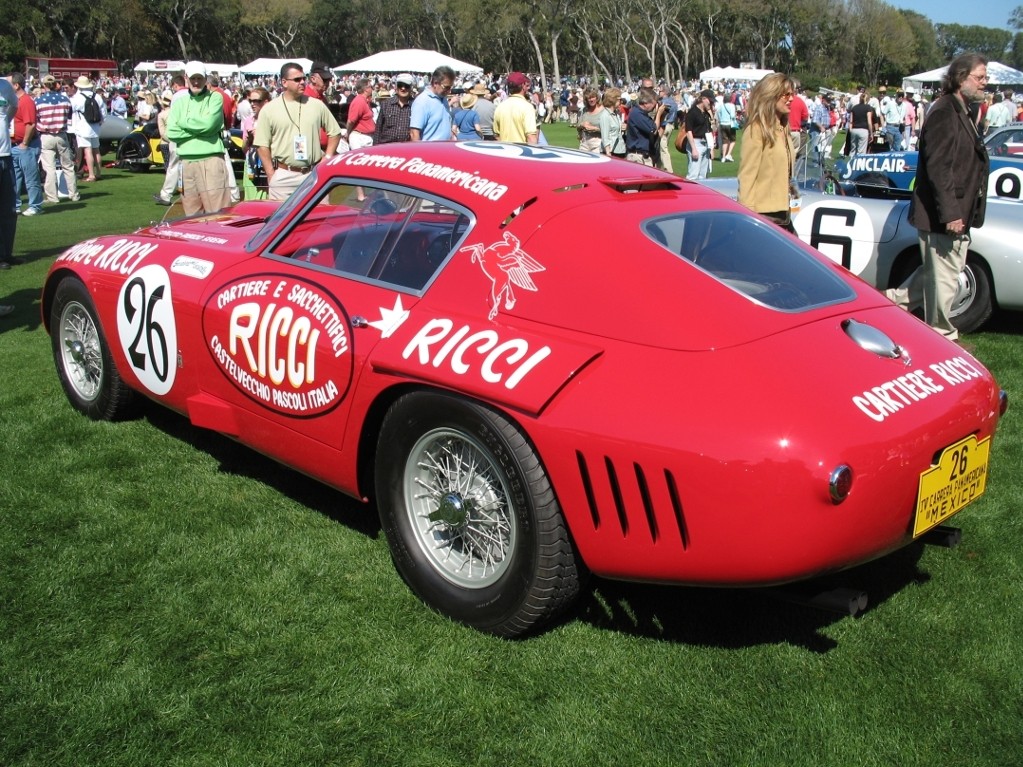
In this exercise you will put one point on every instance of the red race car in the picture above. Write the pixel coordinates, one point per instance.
(538, 362)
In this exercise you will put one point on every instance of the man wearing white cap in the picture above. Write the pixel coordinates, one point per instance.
(395, 113)
(86, 129)
(195, 125)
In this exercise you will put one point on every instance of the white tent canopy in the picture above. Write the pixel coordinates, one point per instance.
(412, 60)
(998, 74)
(735, 73)
(271, 66)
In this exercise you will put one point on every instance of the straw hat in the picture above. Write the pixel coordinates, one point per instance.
(83, 82)
(467, 101)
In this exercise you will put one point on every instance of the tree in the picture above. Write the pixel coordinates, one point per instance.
(928, 54)
(954, 39)
(884, 40)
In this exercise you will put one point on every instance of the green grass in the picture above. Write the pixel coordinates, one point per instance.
(171, 598)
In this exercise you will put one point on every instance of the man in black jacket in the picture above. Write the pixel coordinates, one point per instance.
(950, 193)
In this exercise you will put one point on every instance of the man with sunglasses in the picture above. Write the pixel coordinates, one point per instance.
(395, 113)
(431, 116)
(287, 133)
(950, 193)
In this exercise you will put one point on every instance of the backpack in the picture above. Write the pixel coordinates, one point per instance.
(91, 112)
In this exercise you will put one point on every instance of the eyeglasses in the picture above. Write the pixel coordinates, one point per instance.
(301, 79)
(403, 85)
(255, 101)
(788, 95)
(979, 78)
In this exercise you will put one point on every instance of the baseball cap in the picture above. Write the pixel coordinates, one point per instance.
(322, 69)
(49, 80)
(193, 68)
(404, 79)
(518, 79)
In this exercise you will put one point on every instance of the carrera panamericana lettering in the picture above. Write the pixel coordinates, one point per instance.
(464, 351)
(466, 179)
(124, 256)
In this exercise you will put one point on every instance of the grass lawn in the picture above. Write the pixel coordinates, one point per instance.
(171, 598)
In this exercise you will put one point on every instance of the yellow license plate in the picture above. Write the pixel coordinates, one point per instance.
(959, 478)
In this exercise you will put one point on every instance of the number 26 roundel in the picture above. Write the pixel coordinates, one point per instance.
(145, 325)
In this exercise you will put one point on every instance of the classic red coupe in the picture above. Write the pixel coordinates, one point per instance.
(537, 362)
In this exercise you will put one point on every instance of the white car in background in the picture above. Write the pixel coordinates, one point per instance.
(873, 239)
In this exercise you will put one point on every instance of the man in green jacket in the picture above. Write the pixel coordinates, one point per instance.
(195, 125)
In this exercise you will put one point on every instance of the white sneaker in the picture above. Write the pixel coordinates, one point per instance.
(31, 212)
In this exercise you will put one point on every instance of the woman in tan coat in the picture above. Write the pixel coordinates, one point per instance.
(765, 166)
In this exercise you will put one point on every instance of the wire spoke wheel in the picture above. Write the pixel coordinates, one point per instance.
(81, 355)
(470, 516)
(87, 372)
(459, 507)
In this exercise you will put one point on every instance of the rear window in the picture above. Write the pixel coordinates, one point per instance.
(750, 256)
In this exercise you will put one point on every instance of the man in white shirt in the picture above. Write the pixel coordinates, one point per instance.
(87, 133)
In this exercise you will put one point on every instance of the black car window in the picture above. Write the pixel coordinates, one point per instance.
(751, 257)
(384, 235)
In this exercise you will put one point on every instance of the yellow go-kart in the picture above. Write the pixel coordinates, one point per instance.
(142, 149)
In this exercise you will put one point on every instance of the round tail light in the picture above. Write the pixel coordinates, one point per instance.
(840, 483)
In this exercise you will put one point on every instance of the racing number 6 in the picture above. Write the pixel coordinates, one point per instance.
(148, 327)
(817, 238)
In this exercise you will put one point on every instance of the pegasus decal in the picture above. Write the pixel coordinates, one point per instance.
(505, 264)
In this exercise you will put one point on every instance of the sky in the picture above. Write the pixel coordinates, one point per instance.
(984, 13)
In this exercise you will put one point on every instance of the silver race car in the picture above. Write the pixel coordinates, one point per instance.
(872, 237)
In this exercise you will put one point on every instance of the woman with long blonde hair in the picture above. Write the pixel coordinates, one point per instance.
(766, 163)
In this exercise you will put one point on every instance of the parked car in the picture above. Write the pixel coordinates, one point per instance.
(142, 149)
(866, 229)
(897, 170)
(538, 362)
(112, 132)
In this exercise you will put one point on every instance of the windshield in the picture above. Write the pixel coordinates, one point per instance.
(295, 200)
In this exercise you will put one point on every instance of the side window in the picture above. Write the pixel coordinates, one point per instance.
(376, 234)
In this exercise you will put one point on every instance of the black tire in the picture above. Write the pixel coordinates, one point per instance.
(470, 515)
(82, 356)
(974, 301)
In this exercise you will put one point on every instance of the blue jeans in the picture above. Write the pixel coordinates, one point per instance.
(26, 173)
(894, 134)
(8, 215)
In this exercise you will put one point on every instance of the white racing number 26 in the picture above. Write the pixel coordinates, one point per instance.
(146, 327)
